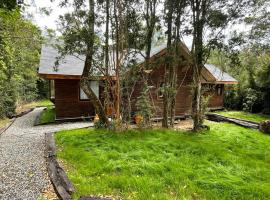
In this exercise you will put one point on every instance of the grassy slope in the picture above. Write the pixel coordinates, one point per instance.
(228, 162)
(24, 107)
(47, 116)
(244, 115)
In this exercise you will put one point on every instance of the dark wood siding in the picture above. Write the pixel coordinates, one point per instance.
(67, 100)
(183, 98)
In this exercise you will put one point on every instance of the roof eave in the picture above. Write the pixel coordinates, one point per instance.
(58, 76)
(221, 82)
(64, 76)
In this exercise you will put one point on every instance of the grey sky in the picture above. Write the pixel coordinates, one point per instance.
(44, 21)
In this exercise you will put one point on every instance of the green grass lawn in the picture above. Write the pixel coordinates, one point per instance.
(24, 107)
(245, 115)
(47, 115)
(227, 162)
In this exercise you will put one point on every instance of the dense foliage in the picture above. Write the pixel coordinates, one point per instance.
(20, 42)
(252, 94)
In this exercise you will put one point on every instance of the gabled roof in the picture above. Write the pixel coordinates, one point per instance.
(72, 66)
(69, 66)
(219, 75)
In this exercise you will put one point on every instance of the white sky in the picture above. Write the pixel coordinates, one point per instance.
(44, 21)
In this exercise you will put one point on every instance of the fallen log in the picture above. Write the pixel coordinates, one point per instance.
(64, 188)
(95, 198)
(244, 123)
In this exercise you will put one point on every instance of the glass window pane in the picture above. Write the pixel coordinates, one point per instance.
(94, 86)
(83, 96)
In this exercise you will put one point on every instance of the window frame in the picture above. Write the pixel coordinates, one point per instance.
(81, 90)
(219, 90)
(160, 85)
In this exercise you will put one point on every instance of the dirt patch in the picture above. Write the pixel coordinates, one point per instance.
(185, 125)
(49, 194)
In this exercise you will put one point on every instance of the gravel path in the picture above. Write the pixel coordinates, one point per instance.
(23, 174)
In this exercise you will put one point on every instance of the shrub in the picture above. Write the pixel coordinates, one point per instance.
(252, 101)
(99, 125)
(144, 106)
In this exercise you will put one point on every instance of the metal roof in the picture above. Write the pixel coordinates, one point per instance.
(70, 65)
(219, 75)
(73, 65)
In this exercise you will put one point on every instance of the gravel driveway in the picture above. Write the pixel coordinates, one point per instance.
(23, 173)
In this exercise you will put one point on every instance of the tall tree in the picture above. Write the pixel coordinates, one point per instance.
(175, 10)
(89, 63)
(208, 20)
(79, 37)
(199, 11)
(151, 18)
(168, 67)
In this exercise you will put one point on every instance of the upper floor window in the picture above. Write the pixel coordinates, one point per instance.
(52, 89)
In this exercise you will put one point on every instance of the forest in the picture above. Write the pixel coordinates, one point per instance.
(102, 28)
(20, 43)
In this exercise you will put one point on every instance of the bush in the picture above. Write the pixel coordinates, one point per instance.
(247, 99)
(233, 98)
(265, 127)
(252, 101)
(99, 125)
(144, 106)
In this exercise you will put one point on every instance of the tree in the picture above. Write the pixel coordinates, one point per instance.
(79, 37)
(208, 20)
(20, 43)
(144, 105)
(174, 13)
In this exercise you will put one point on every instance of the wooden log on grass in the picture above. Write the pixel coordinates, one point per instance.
(59, 179)
(244, 123)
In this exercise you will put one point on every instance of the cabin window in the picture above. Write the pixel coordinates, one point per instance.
(94, 86)
(219, 90)
(161, 89)
(52, 89)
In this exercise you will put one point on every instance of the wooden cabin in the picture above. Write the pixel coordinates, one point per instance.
(213, 83)
(71, 102)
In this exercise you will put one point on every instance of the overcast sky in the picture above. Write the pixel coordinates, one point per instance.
(44, 21)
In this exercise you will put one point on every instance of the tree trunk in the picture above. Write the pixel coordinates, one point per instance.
(199, 15)
(117, 70)
(107, 85)
(88, 66)
(196, 100)
(168, 67)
